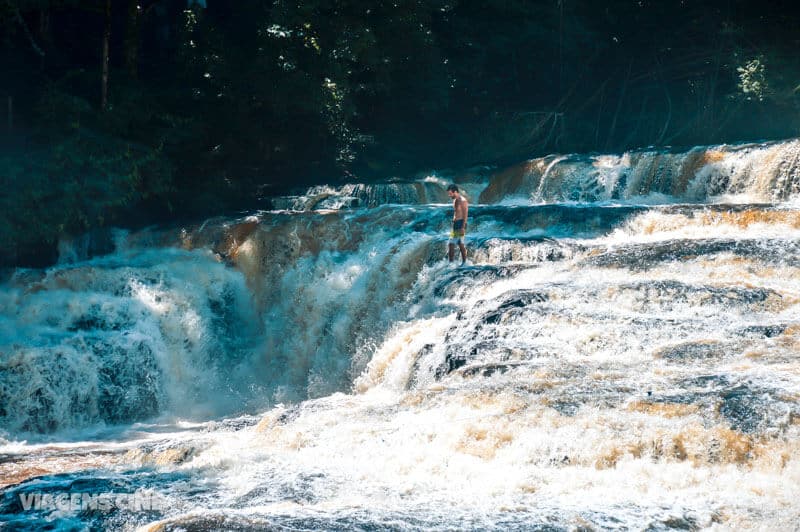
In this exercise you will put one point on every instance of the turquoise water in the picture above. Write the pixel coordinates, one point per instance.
(619, 354)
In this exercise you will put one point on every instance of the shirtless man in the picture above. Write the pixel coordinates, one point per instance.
(460, 208)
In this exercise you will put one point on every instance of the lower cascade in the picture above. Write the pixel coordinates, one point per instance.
(620, 359)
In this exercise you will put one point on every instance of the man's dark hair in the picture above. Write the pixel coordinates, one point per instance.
(452, 188)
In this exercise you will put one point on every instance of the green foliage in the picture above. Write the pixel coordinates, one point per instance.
(78, 178)
(244, 94)
(752, 79)
(84, 181)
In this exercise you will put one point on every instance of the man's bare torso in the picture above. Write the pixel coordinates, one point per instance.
(460, 208)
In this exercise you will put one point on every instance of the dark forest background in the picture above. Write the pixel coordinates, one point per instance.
(124, 112)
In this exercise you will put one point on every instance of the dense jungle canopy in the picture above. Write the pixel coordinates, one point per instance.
(124, 112)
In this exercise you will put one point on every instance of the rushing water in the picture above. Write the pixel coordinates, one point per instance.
(620, 352)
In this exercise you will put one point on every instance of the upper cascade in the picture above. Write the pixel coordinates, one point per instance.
(736, 173)
(358, 195)
(751, 173)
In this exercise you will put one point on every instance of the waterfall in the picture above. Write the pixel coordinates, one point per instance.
(620, 352)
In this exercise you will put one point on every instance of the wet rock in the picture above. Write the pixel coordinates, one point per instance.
(453, 360)
(302, 489)
(289, 415)
(162, 453)
(517, 299)
(674, 523)
(565, 407)
(560, 461)
(474, 338)
(748, 408)
(233, 424)
(413, 382)
(642, 257)
(487, 370)
(692, 351)
(745, 409)
(482, 274)
(763, 331)
(709, 382)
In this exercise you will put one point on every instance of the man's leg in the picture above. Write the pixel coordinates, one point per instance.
(450, 251)
(463, 249)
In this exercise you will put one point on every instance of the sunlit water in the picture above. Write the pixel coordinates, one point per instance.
(621, 352)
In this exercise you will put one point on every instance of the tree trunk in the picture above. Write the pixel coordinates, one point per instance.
(45, 34)
(132, 39)
(21, 21)
(106, 51)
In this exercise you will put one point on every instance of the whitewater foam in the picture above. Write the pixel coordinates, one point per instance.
(608, 364)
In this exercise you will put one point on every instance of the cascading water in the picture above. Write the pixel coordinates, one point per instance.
(622, 352)
(752, 172)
